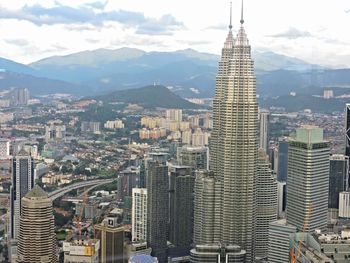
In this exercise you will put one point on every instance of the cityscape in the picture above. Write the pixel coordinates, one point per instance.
(131, 152)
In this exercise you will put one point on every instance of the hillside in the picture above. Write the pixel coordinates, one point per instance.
(9, 65)
(149, 97)
(36, 85)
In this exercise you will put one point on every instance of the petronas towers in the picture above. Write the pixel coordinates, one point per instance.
(228, 191)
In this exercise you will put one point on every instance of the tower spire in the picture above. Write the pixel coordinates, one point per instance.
(230, 26)
(242, 20)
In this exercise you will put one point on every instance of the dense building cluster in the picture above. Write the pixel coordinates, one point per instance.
(89, 181)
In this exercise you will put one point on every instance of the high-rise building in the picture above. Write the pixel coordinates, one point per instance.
(234, 146)
(20, 96)
(22, 183)
(111, 236)
(194, 121)
(157, 205)
(214, 253)
(174, 115)
(338, 180)
(281, 199)
(344, 205)
(264, 123)
(181, 185)
(186, 137)
(282, 167)
(328, 94)
(278, 241)
(308, 179)
(198, 138)
(37, 238)
(273, 157)
(142, 175)
(4, 148)
(55, 133)
(91, 126)
(206, 203)
(196, 157)
(127, 180)
(266, 200)
(207, 122)
(139, 214)
(347, 131)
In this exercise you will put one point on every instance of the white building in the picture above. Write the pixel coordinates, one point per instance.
(174, 115)
(4, 148)
(186, 137)
(308, 179)
(139, 214)
(55, 133)
(264, 121)
(198, 138)
(278, 241)
(344, 205)
(328, 94)
(117, 124)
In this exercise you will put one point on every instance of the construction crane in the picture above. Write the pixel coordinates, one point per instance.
(79, 216)
(294, 256)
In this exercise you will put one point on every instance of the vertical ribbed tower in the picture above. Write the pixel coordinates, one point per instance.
(308, 179)
(234, 147)
(37, 238)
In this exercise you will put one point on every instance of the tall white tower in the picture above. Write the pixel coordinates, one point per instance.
(234, 145)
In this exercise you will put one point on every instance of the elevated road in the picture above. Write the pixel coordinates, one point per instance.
(92, 183)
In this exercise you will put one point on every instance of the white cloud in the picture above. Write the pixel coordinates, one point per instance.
(310, 30)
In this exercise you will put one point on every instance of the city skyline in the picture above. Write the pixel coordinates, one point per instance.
(86, 25)
(255, 171)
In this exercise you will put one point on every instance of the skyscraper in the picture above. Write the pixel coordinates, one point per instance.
(308, 179)
(206, 205)
(174, 115)
(217, 253)
(181, 187)
(157, 205)
(22, 182)
(347, 130)
(282, 169)
(20, 96)
(279, 241)
(234, 147)
(264, 121)
(338, 180)
(266, 200)
(111, 236)
(55, 133)
(139, 214)
(37, 238)
(4, 148)
(196, 157)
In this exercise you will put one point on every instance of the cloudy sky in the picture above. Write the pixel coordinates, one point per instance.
(313, 30)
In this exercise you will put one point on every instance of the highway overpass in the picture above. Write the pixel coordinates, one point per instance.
(62, 191)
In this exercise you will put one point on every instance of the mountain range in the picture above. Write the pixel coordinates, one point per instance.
(189, 73)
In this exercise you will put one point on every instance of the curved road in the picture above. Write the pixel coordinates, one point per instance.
(62, 191)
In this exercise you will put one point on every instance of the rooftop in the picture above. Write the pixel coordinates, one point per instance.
(36, 192)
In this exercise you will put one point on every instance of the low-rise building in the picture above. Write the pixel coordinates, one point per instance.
(77, 251)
